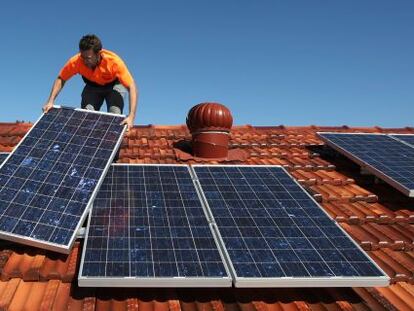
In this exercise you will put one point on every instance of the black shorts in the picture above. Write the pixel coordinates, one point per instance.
(95, 95)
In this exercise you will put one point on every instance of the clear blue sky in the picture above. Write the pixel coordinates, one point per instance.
(271, 62)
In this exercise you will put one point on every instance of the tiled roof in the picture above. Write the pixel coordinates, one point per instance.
(378, 217)
(32, 264)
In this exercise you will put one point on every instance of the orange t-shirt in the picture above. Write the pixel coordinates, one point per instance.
(108, 70)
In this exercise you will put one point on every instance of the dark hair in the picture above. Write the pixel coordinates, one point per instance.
(90, 42)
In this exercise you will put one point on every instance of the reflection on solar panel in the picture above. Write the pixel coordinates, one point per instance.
(407, 138)
(276, 235)
(3, 156)
(148, 228)
(385, 157)
(51, 177)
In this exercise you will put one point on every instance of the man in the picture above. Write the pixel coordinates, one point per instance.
(106, 77)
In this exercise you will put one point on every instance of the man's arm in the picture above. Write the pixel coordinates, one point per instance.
(133, 99)
(57, 87)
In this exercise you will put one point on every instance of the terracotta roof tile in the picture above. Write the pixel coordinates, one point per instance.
(321, 177)
(17, 294)
(399, 265)
(372, 236)
(361, 212)
(62, 267)
(7, 291)
(373, 300)
(4, 257)
(399, 296)
(406, 130)
(31, 264)
(344, 193)
(377, 216)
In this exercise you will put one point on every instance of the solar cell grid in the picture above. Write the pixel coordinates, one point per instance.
(383, 155)
(50, 178)
(273, 230)
(148, 228)
(3, 156)
(407, 138)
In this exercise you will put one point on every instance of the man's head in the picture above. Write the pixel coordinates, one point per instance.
(89, 48)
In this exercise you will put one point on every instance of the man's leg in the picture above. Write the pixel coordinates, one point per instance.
(115, 99)
(92, 98)
(115, 104)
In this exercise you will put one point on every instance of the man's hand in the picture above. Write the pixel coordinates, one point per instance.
(47, 107)
(129, 121)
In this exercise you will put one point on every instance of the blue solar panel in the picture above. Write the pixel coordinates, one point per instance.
(407, 138)
(3, 156)
(49, 180)
(148, 228)
(384, 156)
(276, 235)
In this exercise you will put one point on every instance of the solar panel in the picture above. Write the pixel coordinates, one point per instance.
(385, 157)
(407, 138)
(276, 235)
(51, 177)
(148, 228)
(3, 156)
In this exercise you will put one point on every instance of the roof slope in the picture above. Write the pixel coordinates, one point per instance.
(378, 217)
